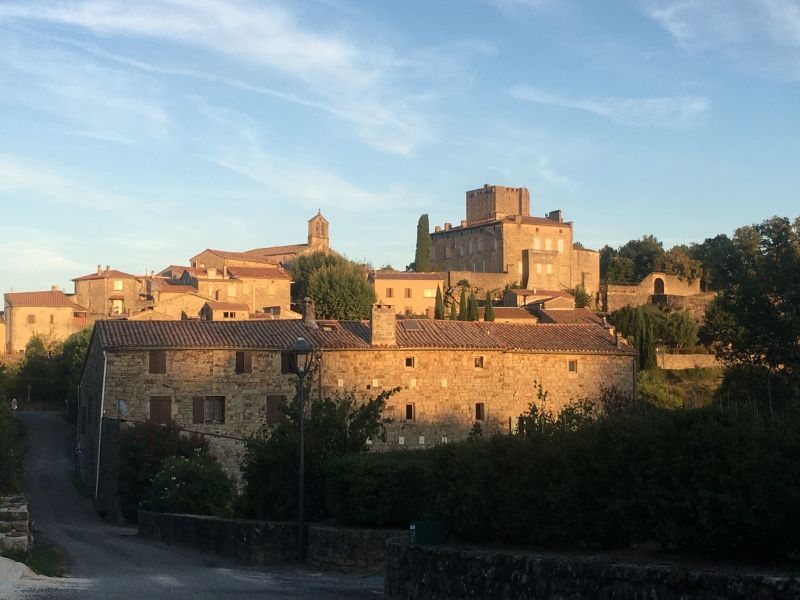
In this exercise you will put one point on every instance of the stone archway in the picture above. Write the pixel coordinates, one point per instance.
(658, 286)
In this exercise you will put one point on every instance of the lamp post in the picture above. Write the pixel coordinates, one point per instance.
(300, 353)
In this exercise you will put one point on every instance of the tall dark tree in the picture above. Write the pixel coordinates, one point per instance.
(463, 308)
(438, 311)
(713, 254)
(453, 311)
(472, 307)
(488, 311)
(422, 257)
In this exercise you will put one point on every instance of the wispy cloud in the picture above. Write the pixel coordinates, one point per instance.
(668, 111)
(364, 84)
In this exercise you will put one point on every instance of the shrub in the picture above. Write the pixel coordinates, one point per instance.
(653, 389)
(12, 451)
(381, 490)
(142, 451)
(196, 485)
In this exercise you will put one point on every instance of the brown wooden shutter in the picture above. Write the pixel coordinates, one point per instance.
(160, 409)
(198, 409)
(273, 413)
(286, 362)
(240, 363)
(158, 362)
(248, 362)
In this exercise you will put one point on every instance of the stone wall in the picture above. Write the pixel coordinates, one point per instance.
(450, 573)
(695, 305)
(246, 542)
(483, 282)
(677, 362)
(15, 532)
(345, 550)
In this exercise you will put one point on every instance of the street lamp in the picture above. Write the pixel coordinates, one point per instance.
(300, 355)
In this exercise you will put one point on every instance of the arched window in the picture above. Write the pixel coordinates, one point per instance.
(658, 286)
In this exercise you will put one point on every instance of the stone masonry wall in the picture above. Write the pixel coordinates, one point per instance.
(678, 362)
(346, 550)
(453, 573)
(15, 533)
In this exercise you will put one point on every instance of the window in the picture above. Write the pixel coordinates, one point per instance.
(52, 319)
(31, 319)
(157, 362)
(117, 306)
(410, 412)
(537, 243)
(410, 362)
(408, 293)
(228, 315)
(286, 363)
(389, 293)
(478, 362)
(272, 411)
(480, 411)
(560, 245)
(244, 362)
(538, 268)
(549, 269)
(161, 409)
(214, 409)
(548, 244)
(118, 287)
(429, 293)
(572, 366)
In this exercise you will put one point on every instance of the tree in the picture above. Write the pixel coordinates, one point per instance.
(488, 312)
(302, 269)
(676, 261)
(714, 255)
(341, 291)
(422, 257)
(681, 330)
(438, 311)
(582, 297)
(453, 311)
(71, 359)
(463, 310)
(647, 348)
(472, 307)
(755, 317)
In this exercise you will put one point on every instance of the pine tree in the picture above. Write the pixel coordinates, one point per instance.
(463, 309)
(488, 311)
(422, 257)
(453, 311)
(438, 311)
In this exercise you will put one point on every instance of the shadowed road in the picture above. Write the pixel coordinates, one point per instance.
(108, 561)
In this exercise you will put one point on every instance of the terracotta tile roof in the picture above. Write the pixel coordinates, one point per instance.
(509, 312)
(110, 274)
(404, 275)
(167, 288)
(259, 272)
(248, 256)
(48, 299)
(173, 270)
(216, 305)
(575, 315)
(272, 250)
(354, 335)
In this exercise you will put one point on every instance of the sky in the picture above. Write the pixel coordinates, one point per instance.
(137, 134)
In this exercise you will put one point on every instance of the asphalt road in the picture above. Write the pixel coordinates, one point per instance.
(107, 561)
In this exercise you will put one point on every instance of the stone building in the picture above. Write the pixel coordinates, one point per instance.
(658, 288)
(107, 293)
(318, 240)
(501, 240)
(409, 293)
(221, 378)
(51, 314)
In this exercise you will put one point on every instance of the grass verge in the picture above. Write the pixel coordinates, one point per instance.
(44, 559)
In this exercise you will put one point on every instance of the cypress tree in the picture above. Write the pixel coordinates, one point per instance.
(463, 309)
(422, 257)
(647, 351)
(488, 312)
(453, 311)
(473, 306)
(438, 311)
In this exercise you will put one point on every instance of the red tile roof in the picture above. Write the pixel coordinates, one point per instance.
(110, 274)
(259, 272)
(272, 250)
(575, 315)
(509, 312)
(246, 256)
(405, 275)
(216, 305)
(354, 335)
(166, 288)
(48, 299)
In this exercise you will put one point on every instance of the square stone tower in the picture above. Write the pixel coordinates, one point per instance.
(496, 202)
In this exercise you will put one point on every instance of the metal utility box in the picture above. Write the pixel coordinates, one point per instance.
(427, 533)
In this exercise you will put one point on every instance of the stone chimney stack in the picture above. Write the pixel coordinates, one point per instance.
(99, 269)
(55, 288)
(383, 325)
(309, 318)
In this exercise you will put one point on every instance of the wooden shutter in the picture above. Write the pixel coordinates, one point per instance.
(158, 362)
(198, 409)
(160, 409)
(244, 362)
(286, 362)
(273, 413)
(240, 362)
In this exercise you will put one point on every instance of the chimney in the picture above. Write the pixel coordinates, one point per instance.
(447, 226)
(382, 326)
(437, 229)
(108, 268)
(55, 288)
(309, 318)
(463, 223)
(99, 269)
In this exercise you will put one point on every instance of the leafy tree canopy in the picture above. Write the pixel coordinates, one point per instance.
(634, 260)
(339, 287)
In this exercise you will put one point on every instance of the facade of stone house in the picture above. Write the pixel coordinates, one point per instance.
(220, 379)
(500, 236)
(108, 293)
(410, 293)
(224, 311)
(51, 314)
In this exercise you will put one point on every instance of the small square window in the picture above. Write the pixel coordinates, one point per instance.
(408, 293)
(422, 440)
(480, 411)
(401, 441)
(214, 409)
(478, 362)
(31, 319)
(572, 366)
(410, 362)
(410, 412)
(52, 319)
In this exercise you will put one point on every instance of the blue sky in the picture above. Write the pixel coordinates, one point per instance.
(139, 133)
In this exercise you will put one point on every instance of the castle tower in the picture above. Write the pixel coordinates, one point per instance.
(318, 231)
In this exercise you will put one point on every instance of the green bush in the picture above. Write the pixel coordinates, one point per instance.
(12, 450)
(196, 485)
(142, 451)
(653, 389)
(381, 490)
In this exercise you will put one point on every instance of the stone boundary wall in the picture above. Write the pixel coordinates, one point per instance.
(677, 362)
(345, 550)
(482, 282)
(246, 542)
(15, 531)
(450, 573)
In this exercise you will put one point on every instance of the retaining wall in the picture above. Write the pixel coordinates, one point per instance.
(15, 532)
(679, 362)
(447, 572)
(345, 550)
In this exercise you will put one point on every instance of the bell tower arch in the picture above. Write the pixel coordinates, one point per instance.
(318, 231)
